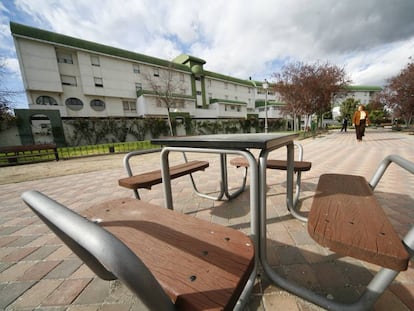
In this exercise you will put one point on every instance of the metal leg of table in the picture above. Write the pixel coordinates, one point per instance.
(204, 195)
(224, 178)
(224, 186)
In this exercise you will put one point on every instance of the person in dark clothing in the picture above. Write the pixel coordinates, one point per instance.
(344, 124)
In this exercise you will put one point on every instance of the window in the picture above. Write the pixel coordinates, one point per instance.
(135, 68)
(156, 72)
(138, 86)
(95, 61)
(74, 103)
(209, 82)
(65, 58)
(179, 104)
(249, 90)
(198, 92)
(129, 106)
(97, 105)
(46, 100)
(68, 80)
(98, 82)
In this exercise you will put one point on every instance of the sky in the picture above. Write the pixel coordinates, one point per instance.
(373, 40)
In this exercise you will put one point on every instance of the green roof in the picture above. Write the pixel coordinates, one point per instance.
(261, 103)
(63, 40)
(367, 88)
(218, 100)
(184, 58)
(228, 78)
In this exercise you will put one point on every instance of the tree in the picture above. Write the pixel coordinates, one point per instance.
(309, 88)
(348, 106)
(6, 98)
(166, 85)
(398, 94)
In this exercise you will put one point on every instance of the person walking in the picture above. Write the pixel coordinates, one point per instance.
(360, 119)
(344, 124)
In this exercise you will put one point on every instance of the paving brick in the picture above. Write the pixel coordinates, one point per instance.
(64, 269)
(42, 252)
(96, 292)
(17, 254)
(120, 307)
(388, 301)
(5, 265)
(82, 273)
(302, 274)
(5, 240)
(280, 302)
(12, 291)
(22, 240)
(37, 294)
(66, 293)
(8, 230)
(329, 274)
(14, 272)
(38, 270)
(290, 255)
(61, 253)
(405, 292)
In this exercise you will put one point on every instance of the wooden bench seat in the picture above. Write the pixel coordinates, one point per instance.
(301, 166)
(346, 217)
(171, 261)
(149, 179)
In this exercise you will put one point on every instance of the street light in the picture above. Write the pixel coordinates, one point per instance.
(265, 87)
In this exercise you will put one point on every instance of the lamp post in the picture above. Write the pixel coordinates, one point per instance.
(265, 87)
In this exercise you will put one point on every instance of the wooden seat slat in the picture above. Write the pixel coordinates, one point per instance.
(346, 217)
(200, 265)
(275, 164)
(149, 179)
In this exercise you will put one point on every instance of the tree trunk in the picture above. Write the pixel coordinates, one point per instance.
(169, 121)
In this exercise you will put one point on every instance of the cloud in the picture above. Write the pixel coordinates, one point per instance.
(372, 39)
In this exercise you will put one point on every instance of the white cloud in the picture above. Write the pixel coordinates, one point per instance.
(371, 38)
(12, 66)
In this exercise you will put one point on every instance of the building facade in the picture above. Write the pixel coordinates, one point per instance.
(85, 79)
(364, 94)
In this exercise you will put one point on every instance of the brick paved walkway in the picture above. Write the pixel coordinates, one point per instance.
(38, 273)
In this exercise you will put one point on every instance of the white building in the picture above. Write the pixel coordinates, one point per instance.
(85, 79)
(362, 93)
